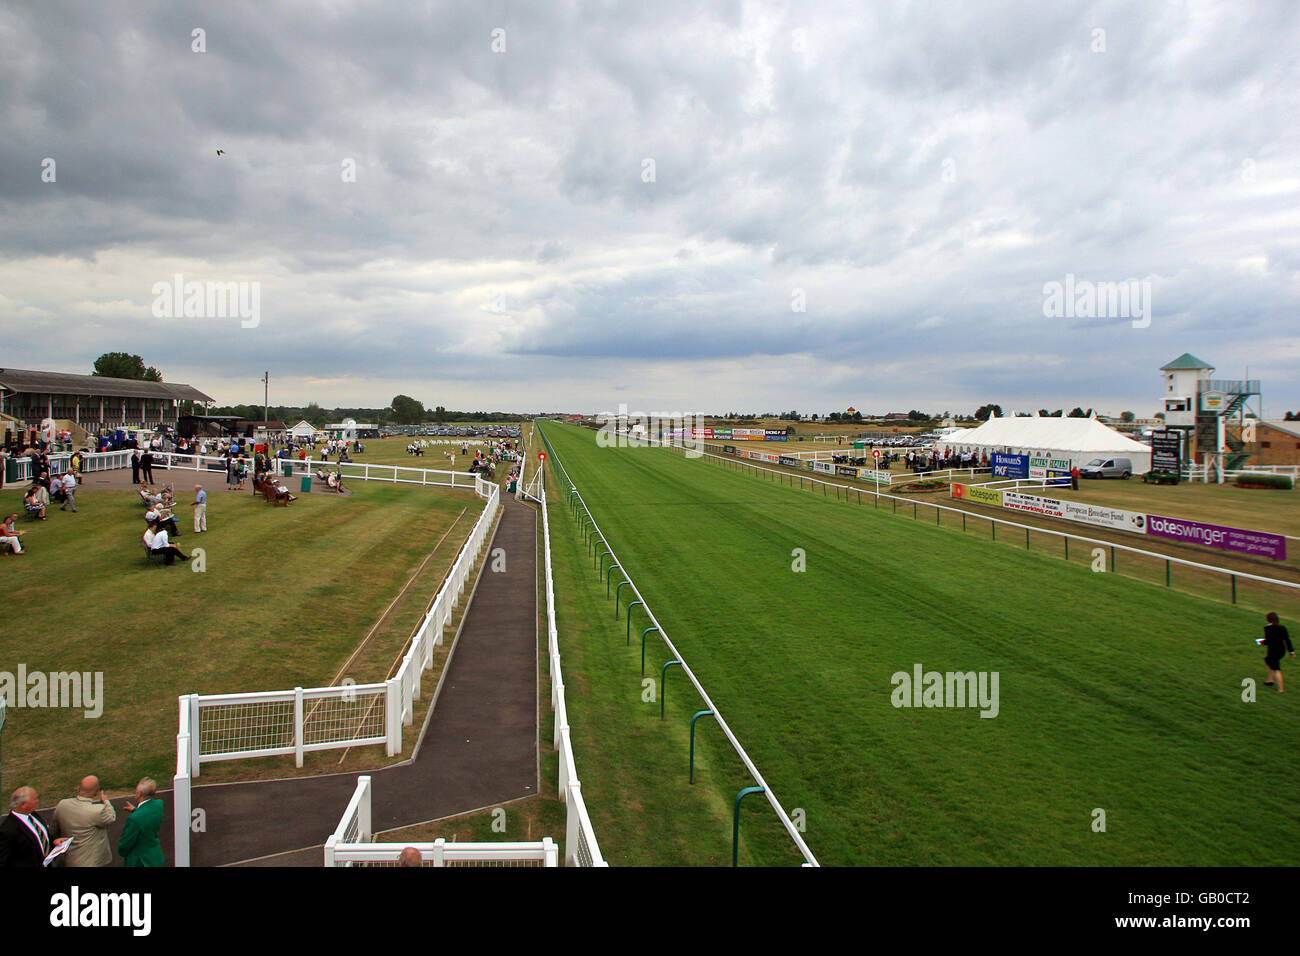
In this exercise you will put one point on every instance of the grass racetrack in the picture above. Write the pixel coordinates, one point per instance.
(1115, 695)
(286, 597)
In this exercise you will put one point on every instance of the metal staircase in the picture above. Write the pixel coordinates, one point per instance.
(1238, 392)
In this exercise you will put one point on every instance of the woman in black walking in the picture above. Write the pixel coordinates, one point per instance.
(1276, 643)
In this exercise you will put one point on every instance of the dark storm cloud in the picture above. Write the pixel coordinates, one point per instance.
(915, 173)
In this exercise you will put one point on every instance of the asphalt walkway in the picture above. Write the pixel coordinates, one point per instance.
(479, 748)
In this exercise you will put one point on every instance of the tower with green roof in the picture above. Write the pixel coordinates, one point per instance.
(1201, 406)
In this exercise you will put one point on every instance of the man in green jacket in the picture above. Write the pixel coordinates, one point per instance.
(138, 845)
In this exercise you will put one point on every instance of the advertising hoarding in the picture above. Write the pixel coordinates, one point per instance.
(1167, 450)
(1048, 507)
(1010, 466)
(1260, 543)
(1049, 467)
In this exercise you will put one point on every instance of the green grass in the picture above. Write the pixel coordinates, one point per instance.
(287, 595)
(633, 767)
(1114, 694)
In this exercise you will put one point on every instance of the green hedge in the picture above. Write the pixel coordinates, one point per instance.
(1264, 478)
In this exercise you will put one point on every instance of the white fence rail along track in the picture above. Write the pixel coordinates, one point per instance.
(580, 845)
(784, 817)
(847, 492)
(300, 721)
(350, 844)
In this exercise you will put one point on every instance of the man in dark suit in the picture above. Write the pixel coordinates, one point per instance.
(25, 839)
(146, 466)
(135, 467)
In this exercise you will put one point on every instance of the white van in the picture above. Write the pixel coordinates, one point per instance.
(1107, 468)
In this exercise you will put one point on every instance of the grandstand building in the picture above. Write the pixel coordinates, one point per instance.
(90, 402)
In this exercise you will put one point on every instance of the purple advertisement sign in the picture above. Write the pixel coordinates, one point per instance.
(1260, 543)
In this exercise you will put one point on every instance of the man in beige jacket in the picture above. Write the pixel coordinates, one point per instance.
(86, 818)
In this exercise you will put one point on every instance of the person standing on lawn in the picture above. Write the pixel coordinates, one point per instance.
(200, 505)
(69, 492)
(1276, 643)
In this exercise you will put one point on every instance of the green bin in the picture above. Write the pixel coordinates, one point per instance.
(11, 471)
(288, 469)
(306, 482)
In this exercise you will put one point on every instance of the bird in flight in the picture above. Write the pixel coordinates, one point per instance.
(221, 152)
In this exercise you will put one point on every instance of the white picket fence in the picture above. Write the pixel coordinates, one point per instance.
(350, 844)
(1206, 472)
(363, 471)
(580, 845)
(300, 721)
(58, 465)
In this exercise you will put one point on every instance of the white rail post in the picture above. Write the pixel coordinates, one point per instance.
(363, 812)
(329, 850)
(565, 771)
(393, 715)
(194, 735)
(297, 727)
(572, 825)
(439, 851)
(181, 816)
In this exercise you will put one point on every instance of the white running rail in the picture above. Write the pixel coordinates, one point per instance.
(580, 845)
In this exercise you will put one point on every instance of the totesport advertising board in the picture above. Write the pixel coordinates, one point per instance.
(978, 494)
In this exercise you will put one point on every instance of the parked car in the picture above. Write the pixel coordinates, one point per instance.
(1107, 468)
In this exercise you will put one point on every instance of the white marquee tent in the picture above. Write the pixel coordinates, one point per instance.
(1078, 439)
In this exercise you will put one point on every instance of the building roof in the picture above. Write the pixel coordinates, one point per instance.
(1186, 361)
(1291, 428)
(62, 383)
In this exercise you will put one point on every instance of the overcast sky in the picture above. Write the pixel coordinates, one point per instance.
(565, 206)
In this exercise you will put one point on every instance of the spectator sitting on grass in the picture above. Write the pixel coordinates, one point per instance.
(9, 535)
(33, 503)
(160, 544)
(162, 517)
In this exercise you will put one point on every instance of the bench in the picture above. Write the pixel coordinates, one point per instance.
(272, 494)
